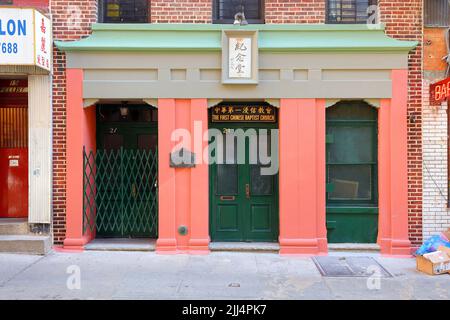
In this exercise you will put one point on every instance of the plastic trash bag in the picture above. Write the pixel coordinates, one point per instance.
(432, 244)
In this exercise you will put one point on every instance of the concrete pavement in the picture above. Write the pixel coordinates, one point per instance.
(220, 275)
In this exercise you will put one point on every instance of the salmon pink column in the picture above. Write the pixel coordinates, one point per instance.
(199, 185)
(183, 192)
(166, 178)
(393, 169)
(302, 177)
(80, 131)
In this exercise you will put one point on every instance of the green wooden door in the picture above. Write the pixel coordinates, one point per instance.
(126, 177)
(243, 202)
(352, 178)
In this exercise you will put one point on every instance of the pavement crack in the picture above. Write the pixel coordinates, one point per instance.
(5, 282)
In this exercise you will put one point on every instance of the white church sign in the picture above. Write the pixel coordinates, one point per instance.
(239, 57)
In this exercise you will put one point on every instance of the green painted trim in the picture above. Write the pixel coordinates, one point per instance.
(360, 210)
(208, 37)
(219, 27)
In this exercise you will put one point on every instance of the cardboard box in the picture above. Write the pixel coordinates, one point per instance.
(447, 233)
(445, 249)
(434, 263)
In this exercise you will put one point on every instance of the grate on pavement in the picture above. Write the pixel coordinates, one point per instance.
(357, 267)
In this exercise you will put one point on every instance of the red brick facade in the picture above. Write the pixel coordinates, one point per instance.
(295, 11)
(71, 20)
(180, 11)
(403, 21)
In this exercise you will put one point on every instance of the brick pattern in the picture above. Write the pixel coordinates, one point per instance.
(295, 11)
(435, 193)
(436, 216)
(181, 11)
(403, 21)
(71, 20)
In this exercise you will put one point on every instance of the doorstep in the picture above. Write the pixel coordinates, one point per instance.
(245, 246)
(121, 245)
(352, 247)
(26, 244)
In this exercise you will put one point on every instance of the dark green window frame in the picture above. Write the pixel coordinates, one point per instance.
(357, 123)
(348, 11)
(224, 11)
(123, 11)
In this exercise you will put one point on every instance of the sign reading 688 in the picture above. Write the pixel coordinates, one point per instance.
(25, 38)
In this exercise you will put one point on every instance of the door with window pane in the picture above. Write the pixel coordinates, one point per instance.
(352, 174)
(243, 199)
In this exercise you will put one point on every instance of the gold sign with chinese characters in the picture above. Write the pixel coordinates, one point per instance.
(240, 58)
(244, 113)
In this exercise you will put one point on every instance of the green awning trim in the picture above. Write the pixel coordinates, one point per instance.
(208, 37)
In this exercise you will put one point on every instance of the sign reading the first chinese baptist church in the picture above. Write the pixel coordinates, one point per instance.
(245, 113)
(25, 38)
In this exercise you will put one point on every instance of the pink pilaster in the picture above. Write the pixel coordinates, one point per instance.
(199, 184)
(183, 192)
(302, 169)
(166, 178)
(393, 169)
(77, 122)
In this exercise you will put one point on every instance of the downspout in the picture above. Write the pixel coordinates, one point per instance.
(447, 74)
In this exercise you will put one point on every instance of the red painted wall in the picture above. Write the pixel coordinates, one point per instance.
(31, 3)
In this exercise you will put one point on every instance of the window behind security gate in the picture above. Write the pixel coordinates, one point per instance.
(124, 11)
(348, 11)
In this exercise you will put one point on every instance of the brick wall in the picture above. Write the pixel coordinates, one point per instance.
(295, 11)
(181, 11)
(71, 20)
(403, 21)
(435, 129)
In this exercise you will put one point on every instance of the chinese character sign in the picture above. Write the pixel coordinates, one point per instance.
(43, 41)
(250, 113)
(240, 58)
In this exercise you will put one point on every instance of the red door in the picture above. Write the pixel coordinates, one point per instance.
(13, 149)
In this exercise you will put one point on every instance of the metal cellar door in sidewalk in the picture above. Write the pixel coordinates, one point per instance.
(122, 174)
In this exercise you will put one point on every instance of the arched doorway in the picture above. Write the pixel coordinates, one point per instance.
(352, 172)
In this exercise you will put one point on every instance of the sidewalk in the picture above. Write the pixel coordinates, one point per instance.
(222, 275)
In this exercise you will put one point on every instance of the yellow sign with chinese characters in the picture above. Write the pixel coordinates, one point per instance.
(250, 113)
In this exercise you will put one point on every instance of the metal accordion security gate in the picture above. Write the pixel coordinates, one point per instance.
(120, 197)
